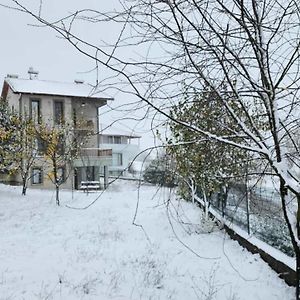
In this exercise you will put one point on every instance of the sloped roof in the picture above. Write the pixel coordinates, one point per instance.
(110, 130)
(43, 87)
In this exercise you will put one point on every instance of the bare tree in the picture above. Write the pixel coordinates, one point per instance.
(250, 47)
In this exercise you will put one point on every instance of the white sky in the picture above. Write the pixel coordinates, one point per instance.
(23, 45)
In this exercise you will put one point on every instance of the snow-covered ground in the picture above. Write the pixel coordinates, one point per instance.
(50, 252)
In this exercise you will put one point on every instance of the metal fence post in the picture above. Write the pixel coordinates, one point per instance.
(247, 199)
(105, 177)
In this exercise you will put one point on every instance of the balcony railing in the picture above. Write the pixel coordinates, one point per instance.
(95, 152)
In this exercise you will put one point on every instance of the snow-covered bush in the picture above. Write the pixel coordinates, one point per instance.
(159, 172)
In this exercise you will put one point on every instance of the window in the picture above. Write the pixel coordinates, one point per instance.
(36, 176)
(125, 140)
(35, 110)
(117, 140)
(106, 139)
(61, 174)
(112, 139)
(90, 173)
(61, 145)
(117, 159)
(74, 117)
(40, 147)
(58, 112)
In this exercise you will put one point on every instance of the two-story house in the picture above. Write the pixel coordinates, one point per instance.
(52, 102)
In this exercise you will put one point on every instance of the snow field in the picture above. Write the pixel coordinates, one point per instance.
(50, 252)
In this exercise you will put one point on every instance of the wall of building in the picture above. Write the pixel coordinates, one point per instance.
(47, 171)
(48, 175)
(22, 103)
(87, 118)
(128, 151)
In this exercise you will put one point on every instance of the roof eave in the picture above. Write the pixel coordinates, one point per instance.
(122, 135)
(61, 95)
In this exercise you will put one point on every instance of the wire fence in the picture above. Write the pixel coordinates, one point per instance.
(256, 210)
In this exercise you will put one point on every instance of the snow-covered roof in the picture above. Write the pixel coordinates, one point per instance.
(110, 130)
(43, 87)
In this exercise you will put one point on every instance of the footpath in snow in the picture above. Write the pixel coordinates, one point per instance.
(50, 252)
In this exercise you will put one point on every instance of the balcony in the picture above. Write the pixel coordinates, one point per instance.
(85, 125)
(96, 152)
(93, 157)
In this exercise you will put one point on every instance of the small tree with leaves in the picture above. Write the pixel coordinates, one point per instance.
(160, 171)
(205, 165)
(60, 149)
(30, 148)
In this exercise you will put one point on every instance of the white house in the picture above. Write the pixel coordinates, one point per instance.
(125, 148)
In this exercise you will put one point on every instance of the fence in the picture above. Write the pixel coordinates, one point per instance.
(257, 210)
(233, 223)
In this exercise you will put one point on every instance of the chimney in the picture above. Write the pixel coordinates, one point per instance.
(78, 81)
(33, 74)
(12, 76)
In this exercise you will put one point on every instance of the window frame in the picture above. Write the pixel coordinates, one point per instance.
(61, 145)
(33, 116)
(39, 147)
(117, 140)
(56, 119)
(117, 159)
(40, 178)
(110, 139)
(62, 178)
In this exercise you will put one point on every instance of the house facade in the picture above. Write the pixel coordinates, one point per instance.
(55, 104)
(125, 148)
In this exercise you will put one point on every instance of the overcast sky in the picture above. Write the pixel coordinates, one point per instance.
(24, 46)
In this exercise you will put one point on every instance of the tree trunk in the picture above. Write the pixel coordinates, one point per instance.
(297, 252)
(283, 193)
(24, 186)
(297, 274)
(57, 194)
(192, 187)
(206, 204)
